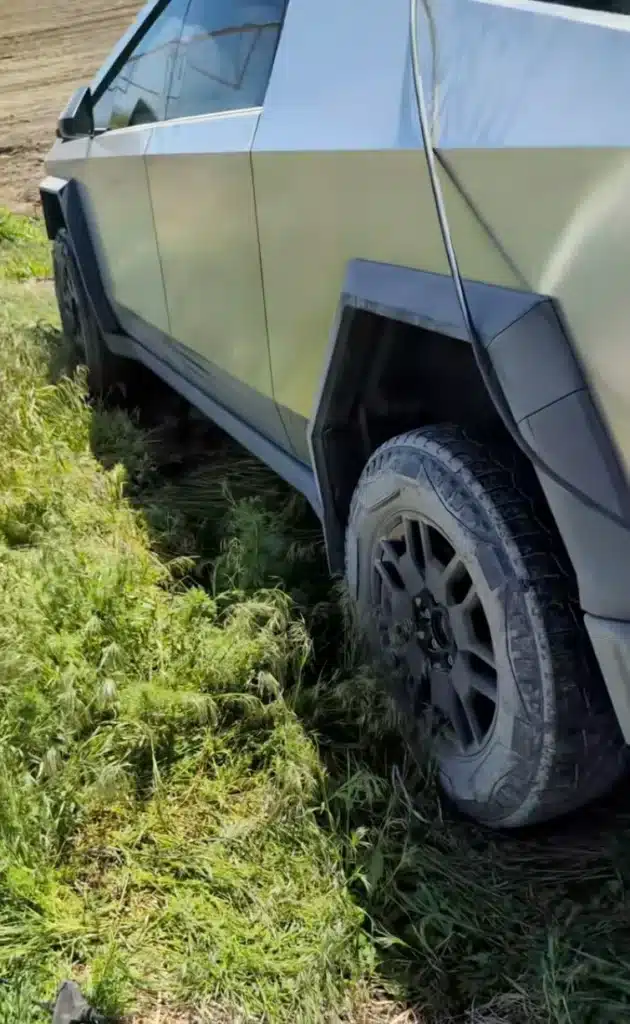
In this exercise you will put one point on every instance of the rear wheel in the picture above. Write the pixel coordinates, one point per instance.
(107, 373)
(464, 595)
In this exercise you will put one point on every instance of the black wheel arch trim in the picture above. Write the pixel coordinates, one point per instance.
(63, 207)
(543, 384)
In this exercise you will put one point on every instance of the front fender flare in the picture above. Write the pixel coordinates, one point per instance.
(63, 207)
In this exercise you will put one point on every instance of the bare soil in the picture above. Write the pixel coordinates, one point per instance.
(47, 49)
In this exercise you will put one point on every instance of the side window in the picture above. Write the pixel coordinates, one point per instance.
(225, 56)
(137, 94)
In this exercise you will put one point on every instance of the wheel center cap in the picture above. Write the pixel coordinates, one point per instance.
(433, 627)
(440, 627)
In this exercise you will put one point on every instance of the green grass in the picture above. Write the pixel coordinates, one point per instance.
(203, 803)
(24, 251)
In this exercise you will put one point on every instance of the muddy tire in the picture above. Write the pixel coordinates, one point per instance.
(464, 593)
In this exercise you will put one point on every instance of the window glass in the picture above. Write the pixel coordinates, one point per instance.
(225, 56)
(137, 94)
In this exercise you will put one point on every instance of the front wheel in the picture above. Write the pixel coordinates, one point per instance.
(107, 373)
(463, 594)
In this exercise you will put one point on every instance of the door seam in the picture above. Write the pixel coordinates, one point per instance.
(155, 235)
(264, 297)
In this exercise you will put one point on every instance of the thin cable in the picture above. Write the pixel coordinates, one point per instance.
(482, 358)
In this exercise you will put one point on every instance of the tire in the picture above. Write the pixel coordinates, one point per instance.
(107, 373)
(464, 594)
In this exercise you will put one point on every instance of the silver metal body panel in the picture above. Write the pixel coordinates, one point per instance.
(120, 205)
(337, 158)
(67, 159)
(203, 201)
(111, 173)
(530, 121)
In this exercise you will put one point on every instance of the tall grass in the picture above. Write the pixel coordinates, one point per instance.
(203, 800)
(24, 250)
(157, 791)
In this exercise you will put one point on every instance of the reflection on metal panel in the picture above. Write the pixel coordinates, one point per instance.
(339, 173)
(116, 183)
(201, 186)
(531, 124)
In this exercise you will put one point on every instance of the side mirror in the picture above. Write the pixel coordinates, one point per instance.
(77, 120)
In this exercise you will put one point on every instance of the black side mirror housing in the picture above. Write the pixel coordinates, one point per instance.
(77, 119)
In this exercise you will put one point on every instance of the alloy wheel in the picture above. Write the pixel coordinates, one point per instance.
(434, 629)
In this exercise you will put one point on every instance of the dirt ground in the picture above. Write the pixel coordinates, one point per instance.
(47, 48)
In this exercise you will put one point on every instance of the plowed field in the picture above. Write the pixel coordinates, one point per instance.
(47, 47)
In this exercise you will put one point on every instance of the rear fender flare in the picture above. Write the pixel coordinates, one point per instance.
(543, 384)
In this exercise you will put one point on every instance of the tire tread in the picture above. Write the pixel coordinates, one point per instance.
(588, 753)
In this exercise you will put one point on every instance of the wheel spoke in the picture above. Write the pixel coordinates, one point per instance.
(442, 693)
(393, 597)
(464, 631)
(466, 679)
(387, 584)
(451, 571)
(458, 722)
(460, 625)
(404, 565)
(440, 688)
(433, 570)
(385, 577)
(460, 676)
(416, 660)
(472, 721)
(425, 543)
(468, 603)
(457, 709)
(411, 542)
(483, 684)
(437, 629)
(481, 652)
